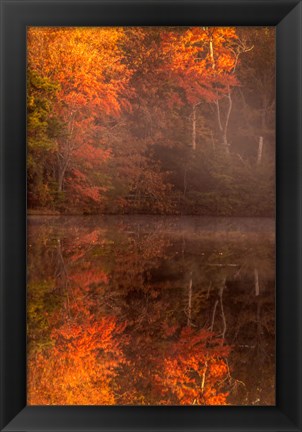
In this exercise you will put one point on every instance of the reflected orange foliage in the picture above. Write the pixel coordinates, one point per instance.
(195, 369)
(80, 368)
(85, 278)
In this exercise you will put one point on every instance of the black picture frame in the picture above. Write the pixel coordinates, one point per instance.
(16, 15)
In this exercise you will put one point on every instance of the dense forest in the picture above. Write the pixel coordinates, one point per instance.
(151, 120)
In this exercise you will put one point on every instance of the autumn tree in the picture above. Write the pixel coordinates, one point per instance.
(86, 65)
(204, 60)
(143, 184)
(79, 368)
(196, 370)
(75, 347)
(43, 127)
(256, 98)
(140, 120)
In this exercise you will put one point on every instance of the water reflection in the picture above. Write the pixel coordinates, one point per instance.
(149, 311)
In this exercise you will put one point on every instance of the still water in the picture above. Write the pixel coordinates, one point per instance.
(150, 311)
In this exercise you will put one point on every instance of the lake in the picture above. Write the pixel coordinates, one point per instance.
(147, 310)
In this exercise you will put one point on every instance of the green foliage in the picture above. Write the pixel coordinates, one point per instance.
(42, 130)
(42, 301)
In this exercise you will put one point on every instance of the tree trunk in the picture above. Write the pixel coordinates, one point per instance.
(222, 310)
(223, 125)
(257, 286)
(260, 150)
(194, 128)
(213, 142)
(190, 302)
(60, 182)
(213, 315)
(61, 177)
(212, 52)
(226, 144)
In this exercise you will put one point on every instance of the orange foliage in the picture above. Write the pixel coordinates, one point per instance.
(85, 61)
(195, 369)
(87, 65)
(85, 278)
(80, 367)
(203, 59)
(86, 348)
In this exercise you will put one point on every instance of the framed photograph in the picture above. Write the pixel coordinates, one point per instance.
(150, 228)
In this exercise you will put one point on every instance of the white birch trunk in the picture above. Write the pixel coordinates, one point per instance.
(260, 150)
(194, 128)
